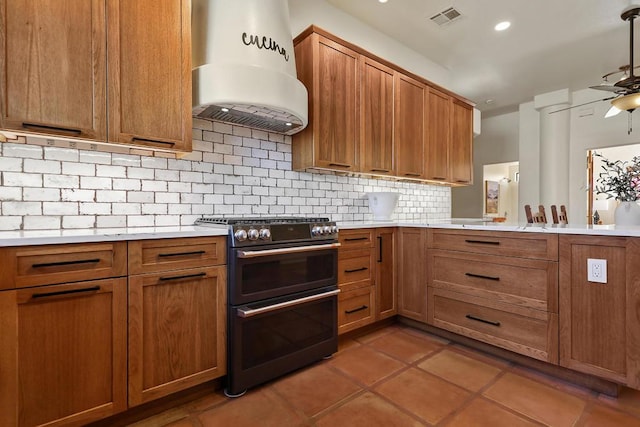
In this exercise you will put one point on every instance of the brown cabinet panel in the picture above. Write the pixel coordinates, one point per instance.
(52, 67)
(412, 274)
(150, 73)
(598, 322)
(525, 331)
(176, 331)
(438, 136)
(149, 256)
(376, 118)
(355, 268)
(356, 308)
(461, 143)
(511, 244)
(66, 347)
(24, 266)
(355, 238)
(385, 280)
(409, 127)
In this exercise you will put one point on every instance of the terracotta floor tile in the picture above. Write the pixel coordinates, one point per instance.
(535, 400)
(206, 402)
(164, 418)
(460, 369)
(365, 338)
(483, 413)
(423, 394)
(365, 364)
(554, 382)
(367, 410)
(627, 400)
(481, 356)
(425, 335)
(182, 423)
(601, 416)
(315, 389)
(405, 347)
(259, 407)
(346, 344)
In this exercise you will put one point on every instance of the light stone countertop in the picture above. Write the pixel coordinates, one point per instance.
(45, 237)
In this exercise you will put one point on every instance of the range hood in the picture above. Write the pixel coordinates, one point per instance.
(245, 69)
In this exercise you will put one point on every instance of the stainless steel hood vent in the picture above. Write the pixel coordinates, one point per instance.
(245, 70)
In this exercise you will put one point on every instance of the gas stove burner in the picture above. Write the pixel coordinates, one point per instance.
(255, 231)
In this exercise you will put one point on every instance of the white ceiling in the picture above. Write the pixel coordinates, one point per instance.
(551, 45)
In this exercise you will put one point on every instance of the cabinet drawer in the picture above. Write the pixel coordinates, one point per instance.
(355, 309)
(150, 256)
(530, 332)
(354, 267)
(524, 282)
(511, 244)
(26, 266)
(356, 238)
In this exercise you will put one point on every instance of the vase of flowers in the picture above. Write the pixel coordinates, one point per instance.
(621, 180)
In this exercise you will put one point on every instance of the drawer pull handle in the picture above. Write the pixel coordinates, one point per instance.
(45, 128)
(380, 170)
(186, 276)
(482, 242)
(477, 319)
(355, 239)
(355, 270)
(412, 174)
(340, 165)
(72, 291)
(439, 178)
(480, 276)
(355, 310)
(61, 263)
(183, 253)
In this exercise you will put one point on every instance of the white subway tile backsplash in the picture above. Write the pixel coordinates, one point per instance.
(232, 171)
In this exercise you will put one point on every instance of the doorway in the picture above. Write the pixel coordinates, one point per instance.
(500, 190)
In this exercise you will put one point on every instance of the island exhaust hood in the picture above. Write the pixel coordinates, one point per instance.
(244, 66)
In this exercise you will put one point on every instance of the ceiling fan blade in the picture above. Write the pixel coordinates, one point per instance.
(613, 111)
(608, 88)
(583, 104)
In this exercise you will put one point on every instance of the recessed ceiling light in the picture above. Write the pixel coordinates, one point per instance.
(501, 26)
(383, 1)
(224, 110)
(489, 101)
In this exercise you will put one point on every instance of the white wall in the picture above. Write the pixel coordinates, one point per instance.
(503, 174)
(498, 143)
(326, 16)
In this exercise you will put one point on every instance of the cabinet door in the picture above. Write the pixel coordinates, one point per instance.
(386, 285)
(409, 130)
(335, 106)
(412, 276)
(461, 143)
(438, 131)
(63, 356)
(52, 67)
(176, 331)
(599, 330)
(376, 118)
(150, 73)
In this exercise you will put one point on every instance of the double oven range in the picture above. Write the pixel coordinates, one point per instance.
(282, 296)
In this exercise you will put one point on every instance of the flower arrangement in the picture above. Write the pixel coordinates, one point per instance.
(620, 180)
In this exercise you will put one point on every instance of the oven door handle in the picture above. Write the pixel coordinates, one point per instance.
(247, 312)
(268, 252)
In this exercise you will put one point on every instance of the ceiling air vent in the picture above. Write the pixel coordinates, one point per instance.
(446, 16)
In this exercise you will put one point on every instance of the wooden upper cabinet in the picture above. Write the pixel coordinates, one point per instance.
(438, 136)
(409, 128)
(150, 73)
(330, 73)
(461, 143)
(52, 67)
(376, 118)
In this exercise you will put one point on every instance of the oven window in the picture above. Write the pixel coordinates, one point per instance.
(268, 337)
(286, 271)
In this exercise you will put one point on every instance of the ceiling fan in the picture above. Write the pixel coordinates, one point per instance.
(626, 90)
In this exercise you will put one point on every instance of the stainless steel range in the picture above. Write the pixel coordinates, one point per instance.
(282, 295)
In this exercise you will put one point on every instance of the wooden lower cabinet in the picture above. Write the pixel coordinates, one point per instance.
(63, 353)
(385, 273)
(176, 331)
(600, 323)
(356, 308)
(412, 273)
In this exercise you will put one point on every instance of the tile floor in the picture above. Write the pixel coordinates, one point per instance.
(398, 376)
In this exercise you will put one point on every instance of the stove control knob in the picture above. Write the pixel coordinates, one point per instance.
(265, 234)
(334, 229)
(327, 229)
(240, 235)
(317, 231)
(253, 234)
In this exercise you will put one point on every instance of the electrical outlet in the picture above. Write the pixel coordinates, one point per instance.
(597, 270)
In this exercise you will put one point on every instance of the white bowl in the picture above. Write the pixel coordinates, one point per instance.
(382, 205)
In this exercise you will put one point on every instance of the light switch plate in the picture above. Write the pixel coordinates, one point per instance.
(597, 270)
